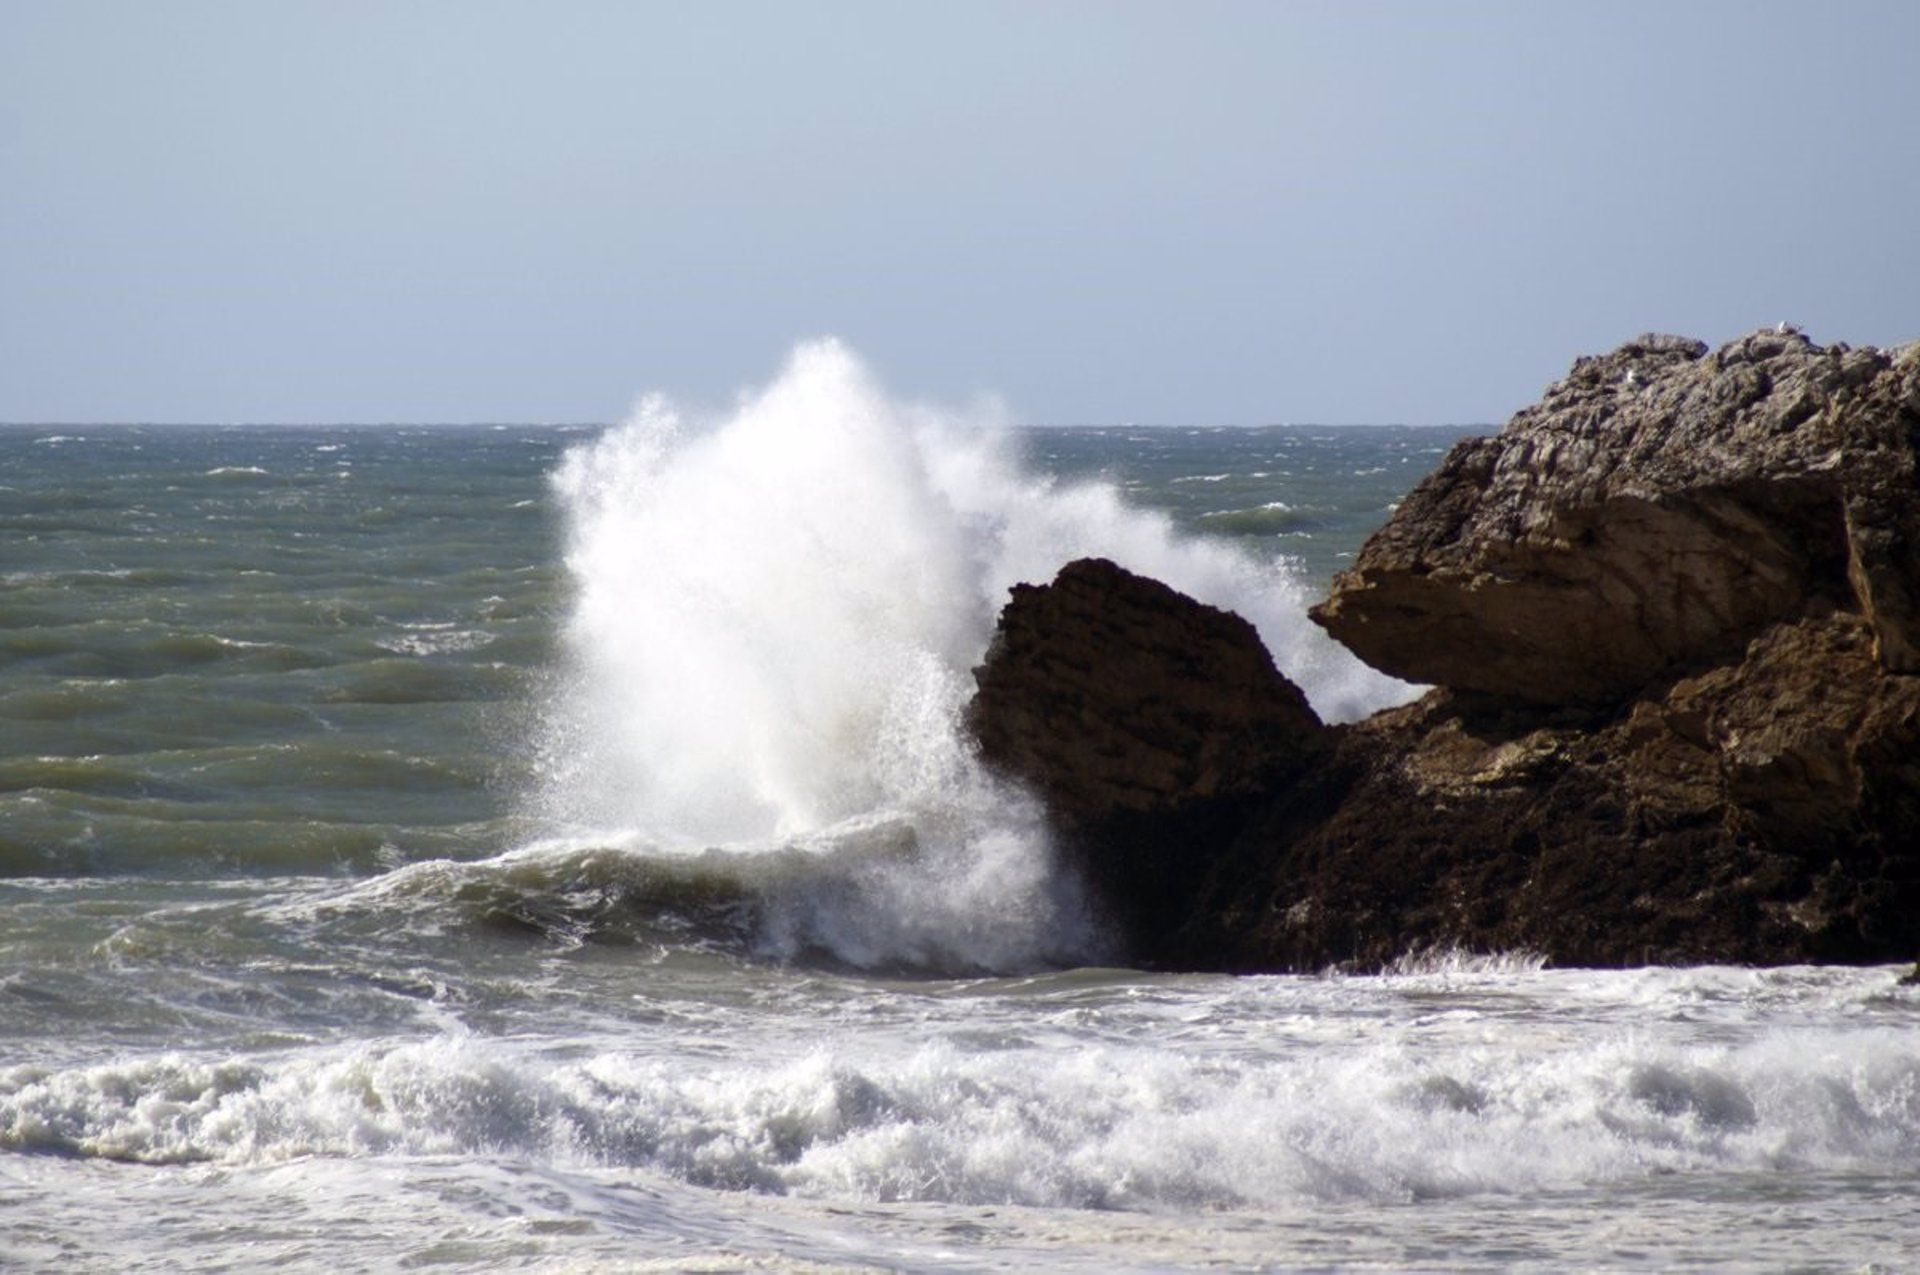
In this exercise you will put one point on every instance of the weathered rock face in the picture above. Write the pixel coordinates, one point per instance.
(1675, 614)
(1656, 510)
(1765, 811)
(1113, 693)
(1146, 721)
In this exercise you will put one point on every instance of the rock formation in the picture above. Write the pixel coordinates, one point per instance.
(1670, 612)
(1113, 694)
(1146, 721)
(1658, 508)
(1760, 812)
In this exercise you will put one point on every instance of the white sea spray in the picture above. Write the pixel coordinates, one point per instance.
(775, 616)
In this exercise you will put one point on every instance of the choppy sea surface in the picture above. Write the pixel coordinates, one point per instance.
(552, 848)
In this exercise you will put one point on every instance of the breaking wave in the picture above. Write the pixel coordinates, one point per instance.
(776, 612)
(1108, 1124)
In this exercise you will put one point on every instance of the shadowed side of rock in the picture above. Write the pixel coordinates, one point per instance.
(1149, 723)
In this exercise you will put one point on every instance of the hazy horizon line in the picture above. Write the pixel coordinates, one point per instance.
(558, 425)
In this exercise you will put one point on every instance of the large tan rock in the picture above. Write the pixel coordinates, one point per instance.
(1658, 508)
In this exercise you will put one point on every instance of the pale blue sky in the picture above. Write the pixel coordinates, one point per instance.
(1181, 212)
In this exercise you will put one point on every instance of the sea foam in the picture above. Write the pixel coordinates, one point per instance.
(1106, 1125)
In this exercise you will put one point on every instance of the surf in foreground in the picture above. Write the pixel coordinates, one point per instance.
(590, 1109)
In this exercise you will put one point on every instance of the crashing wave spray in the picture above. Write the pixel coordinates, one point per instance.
(776, 614)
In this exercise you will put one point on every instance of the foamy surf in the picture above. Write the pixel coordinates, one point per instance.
(862, 894)
(1055, 1094)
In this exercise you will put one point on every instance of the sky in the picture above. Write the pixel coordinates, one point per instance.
(1182, 213)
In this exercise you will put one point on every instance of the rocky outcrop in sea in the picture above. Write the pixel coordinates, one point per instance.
(1671, 617)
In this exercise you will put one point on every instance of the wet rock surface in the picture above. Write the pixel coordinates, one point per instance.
(1670, 613)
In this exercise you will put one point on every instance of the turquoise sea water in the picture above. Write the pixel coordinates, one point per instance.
(550, 847)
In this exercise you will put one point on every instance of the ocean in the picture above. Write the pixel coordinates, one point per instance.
(553, 848)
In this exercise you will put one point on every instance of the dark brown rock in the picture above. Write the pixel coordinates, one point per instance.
(1146, 721)
(1762, 812)
(1658, 508)
(1112, 693)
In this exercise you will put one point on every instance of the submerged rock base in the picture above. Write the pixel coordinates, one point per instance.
(1671, 613)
